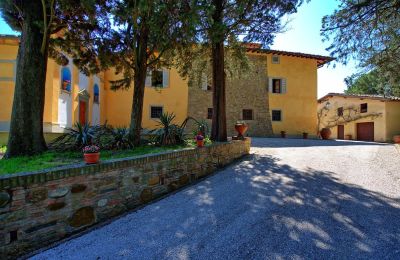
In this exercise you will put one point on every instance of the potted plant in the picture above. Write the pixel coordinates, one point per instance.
(65, 84)
(283, 134)
(199, 140)
(396, 139)
(91, 153)
(241, 127)
(325, 133)
(348, 137)
(305, 135)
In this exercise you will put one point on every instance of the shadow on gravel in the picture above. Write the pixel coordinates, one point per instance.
(287, 142)
(310, 214)
(271, 210)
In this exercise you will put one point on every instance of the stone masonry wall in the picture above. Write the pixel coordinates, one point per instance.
(247, 92)
(39, 208)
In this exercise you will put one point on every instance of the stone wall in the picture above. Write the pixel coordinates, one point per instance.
(39, 208)
(249, 91)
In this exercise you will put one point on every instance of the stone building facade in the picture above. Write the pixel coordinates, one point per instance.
(248, 91)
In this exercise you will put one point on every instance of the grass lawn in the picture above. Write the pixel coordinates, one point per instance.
(54, 159)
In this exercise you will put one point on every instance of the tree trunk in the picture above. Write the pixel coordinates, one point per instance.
(218, 129)
(26, 130)
(139, 85)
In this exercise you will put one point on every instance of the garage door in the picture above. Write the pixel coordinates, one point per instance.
(365, 131)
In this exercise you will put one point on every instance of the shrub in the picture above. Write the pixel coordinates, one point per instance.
(91, 149)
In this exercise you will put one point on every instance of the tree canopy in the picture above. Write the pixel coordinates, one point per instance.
(369, 32)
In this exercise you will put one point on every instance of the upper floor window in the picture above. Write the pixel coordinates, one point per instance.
(96, 94)
(275, 59)
(276, 115)
(156, 111)
(276, 86)
(158, 78)
(340, 111)
(247, 114)
(364, 108)
(206, 83)
(66, 79)
(209, 113)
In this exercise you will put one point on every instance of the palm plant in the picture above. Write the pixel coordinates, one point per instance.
(121, 138)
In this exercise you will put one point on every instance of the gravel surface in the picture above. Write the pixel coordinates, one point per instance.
(290, 199)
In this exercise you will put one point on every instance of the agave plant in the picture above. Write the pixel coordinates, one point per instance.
(75, 138)
(121, 139)
(168, 133)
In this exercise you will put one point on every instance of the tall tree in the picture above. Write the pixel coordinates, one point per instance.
(367, 31)
(143, 39)
(222, 25)
(71, 24)
(367, 83)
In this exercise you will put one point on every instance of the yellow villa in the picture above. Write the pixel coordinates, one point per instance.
(280, 91)
(360, 117)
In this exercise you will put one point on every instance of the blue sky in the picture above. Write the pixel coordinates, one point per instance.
(302, 35)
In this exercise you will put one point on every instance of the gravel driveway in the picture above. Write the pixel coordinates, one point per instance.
(290, 199)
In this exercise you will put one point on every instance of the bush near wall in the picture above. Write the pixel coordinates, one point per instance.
(39, 208)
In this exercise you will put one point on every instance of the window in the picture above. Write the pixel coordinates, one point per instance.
(275, 59)
(66, 79)
(276, 115)
(96, 93)
(247, 114)
(340, 111)
(209, 113)
(156, 112)
(157, 78)
(276, 86)
(364, 108)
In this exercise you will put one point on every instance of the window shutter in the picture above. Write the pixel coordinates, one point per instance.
(283, 82)
(204, 82)
(165, 78)
(270, 85)
(148, 79)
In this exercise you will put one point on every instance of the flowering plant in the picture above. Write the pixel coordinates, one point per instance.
(199, 137)
(91, 149)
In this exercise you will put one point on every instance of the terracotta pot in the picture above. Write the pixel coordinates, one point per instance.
(241, 129)
(91, 158)
(283, 134)
(325, 133)
(200, 143)
(305, 135)
(396, 139)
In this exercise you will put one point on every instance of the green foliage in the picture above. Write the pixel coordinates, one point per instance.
(74, 139)
(120, 140)
(368, 83)
(168, 133)
(104, 136)
(367, 31)
(3, 149)
(54, 159)
(201, 126)
(244, 21)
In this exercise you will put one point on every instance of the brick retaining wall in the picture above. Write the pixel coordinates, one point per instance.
(39, 208)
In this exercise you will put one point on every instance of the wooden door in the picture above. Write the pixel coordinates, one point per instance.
(340, 132)
(82, 112)
(365, 131)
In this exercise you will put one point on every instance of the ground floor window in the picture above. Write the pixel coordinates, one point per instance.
(156, 111)
(247, 114)
(276, 115)
(209, 113)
